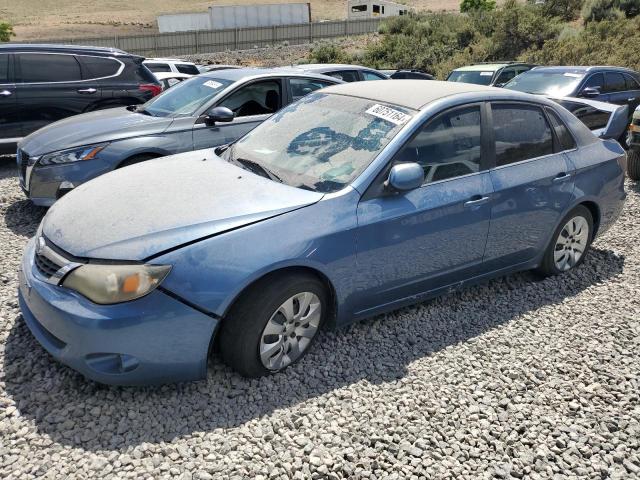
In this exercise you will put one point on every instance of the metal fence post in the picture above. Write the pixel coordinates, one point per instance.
(197, 42)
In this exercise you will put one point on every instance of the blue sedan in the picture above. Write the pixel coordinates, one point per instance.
(356, 200)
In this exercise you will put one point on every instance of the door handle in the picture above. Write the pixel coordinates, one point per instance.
(561, 177)
(630, 100)
(5, 93)
(476, 200)
(87, 90)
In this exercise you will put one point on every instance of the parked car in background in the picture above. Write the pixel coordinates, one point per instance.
(494, 74)
(204, 111)
(605, 120)
(633, 140)
(346, 73)
(40, 84)
(213, 68)
(348, 203)
(160, 65)
(169, 79)
(410, 74)
(606, 84)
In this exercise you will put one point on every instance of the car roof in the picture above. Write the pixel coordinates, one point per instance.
(581, 69)
(309, 67)
(174, 60)
(237, 74)
(50, 47)
(486, 67)
(414, 94)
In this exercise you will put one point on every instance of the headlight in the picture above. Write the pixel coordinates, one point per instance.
(106, 284)
(87, 152)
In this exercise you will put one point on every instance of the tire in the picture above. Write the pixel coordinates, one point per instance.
(137, 159)
(257, 323)
(633, 163)
(569, 237)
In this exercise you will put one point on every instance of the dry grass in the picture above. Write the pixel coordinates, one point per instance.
(44, 19)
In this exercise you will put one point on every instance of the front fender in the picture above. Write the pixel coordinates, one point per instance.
(212, 273)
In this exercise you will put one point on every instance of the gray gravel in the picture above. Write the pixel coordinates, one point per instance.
(517, 378)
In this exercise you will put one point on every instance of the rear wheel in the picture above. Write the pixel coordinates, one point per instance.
(633, 163)
(569, 244)
(274, 324)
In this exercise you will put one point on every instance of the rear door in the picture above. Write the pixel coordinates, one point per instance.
(632, 92)
(50, 87)
(10, 117)
(532, 180)
(252, 103)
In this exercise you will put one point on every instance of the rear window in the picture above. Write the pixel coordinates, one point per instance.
(475, 77)
(4, 68)
(188, 69)
(347, 75)
(158, 67)
(99, 67)
(41, 67)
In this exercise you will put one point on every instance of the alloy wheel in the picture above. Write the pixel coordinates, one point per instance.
(289, 331)
(571, 243)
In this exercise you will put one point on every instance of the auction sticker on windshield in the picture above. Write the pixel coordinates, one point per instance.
(212, 84)
(389, 114)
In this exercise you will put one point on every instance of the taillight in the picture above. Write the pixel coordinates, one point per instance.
(150, 87)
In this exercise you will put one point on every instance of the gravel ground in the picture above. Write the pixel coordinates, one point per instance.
(516, 378)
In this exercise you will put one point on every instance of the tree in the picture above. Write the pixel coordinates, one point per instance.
(6, 31)
(477, 5)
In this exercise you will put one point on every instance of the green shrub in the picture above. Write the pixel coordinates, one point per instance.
(566, 10)
(475, 5)
(6, 32)
(328, 53)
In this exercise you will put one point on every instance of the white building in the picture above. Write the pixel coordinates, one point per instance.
(374, 9)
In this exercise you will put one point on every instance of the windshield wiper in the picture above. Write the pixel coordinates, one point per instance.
(259, 169)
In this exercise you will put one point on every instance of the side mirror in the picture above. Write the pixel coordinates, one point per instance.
(219, 114)
(590, 92)
(405, 176)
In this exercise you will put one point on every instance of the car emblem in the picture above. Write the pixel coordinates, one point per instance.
(40, 246)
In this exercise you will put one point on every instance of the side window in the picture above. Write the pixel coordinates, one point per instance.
(371, 75)
(448, 146)
(257, 98)
(376, 9)
(632, 83)
(99, 67)
(595, 81)
(40, 68)
(565, 139)
(359, 8)
(615, 82)
(521, 132)
(188, 69)
(506, 75)
(158, 67)
(304, 86)
(4, 68)
(347, 75)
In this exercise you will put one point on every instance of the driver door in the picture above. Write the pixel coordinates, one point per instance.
(252, 103)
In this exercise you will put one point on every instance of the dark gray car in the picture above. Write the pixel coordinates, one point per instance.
(188, 116)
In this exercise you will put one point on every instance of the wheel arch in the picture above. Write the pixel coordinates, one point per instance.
(283, 270)
(594, 209)
(147, 155)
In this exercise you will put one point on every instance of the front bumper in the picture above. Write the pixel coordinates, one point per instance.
(155, 339)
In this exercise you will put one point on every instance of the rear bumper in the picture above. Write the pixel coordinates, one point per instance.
(152, 340)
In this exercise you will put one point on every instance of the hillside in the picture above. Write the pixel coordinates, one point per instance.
(50, 19)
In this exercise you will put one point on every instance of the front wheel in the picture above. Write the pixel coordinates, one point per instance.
(569, 244)
(633, 163)
(274, 324)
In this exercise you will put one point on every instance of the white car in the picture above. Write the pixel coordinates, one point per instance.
(169, 79)
(175, 65)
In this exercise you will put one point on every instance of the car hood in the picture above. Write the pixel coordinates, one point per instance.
(145, 209)
(94, 127)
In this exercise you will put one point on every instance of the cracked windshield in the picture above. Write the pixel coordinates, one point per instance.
(322, 142)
